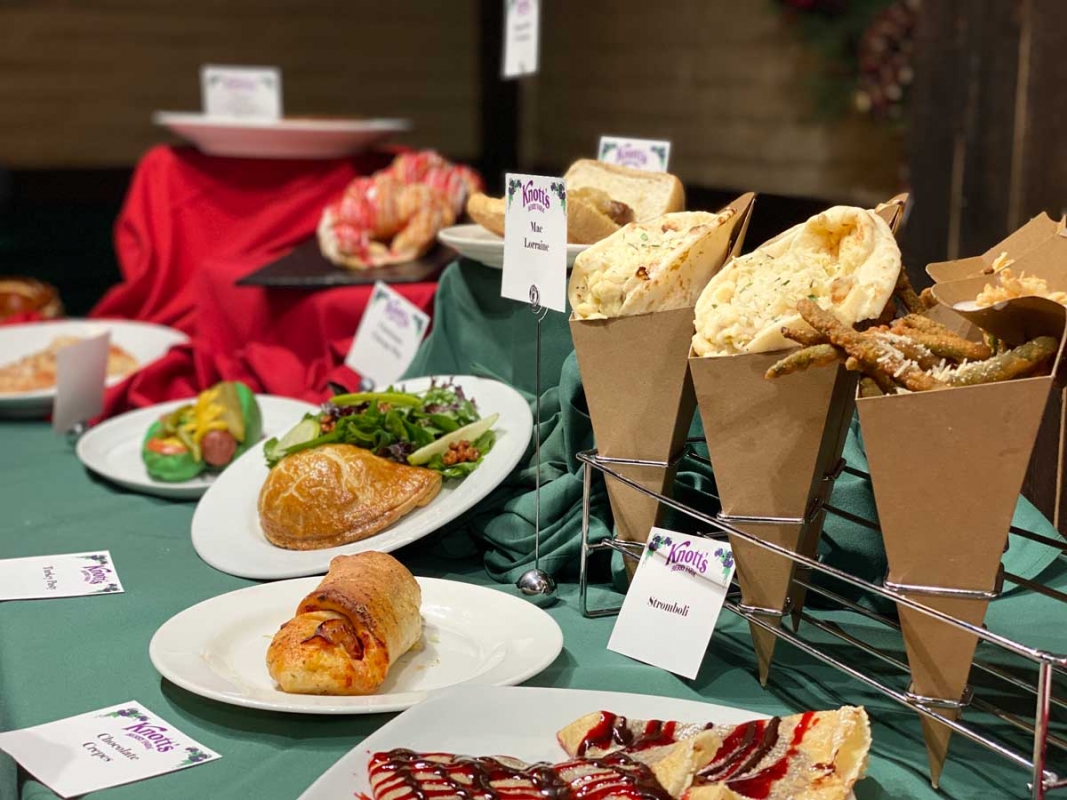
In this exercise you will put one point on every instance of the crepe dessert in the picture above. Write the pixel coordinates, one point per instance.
(348, 632)
(38, 370)
(845, 259)
(339, 493)
(394, 215)
(818, 755)
(659, 265)
(405, 775)
(601, 198)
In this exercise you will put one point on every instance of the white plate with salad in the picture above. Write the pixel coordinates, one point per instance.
(226, 532)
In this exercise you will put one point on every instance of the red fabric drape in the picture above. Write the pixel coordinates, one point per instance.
(191, 226)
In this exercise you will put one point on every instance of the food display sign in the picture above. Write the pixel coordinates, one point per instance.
(674, 601)
(242, 92)
(535, 241)
(81, 372)
(388, 337)
(108, 747)
(65, 575)
(650, 155)
(522, 32)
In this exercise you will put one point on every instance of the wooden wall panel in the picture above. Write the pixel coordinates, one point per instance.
(726, 82)
(79, 81)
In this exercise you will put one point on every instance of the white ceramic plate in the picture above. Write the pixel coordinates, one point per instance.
(484, 246)
(113, 448)
(513, 721)
(471, 634)
(144, 341)
(226, 530)
(283, 138)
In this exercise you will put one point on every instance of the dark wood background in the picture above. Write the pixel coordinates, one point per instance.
(987, 150)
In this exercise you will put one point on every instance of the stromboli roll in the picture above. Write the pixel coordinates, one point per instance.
(347, 633)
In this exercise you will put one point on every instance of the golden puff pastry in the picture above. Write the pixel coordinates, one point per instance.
(347, 633)
(337, 494)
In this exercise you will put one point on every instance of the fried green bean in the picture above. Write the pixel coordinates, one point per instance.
(818, 355)
(873, 356)
(1011, 364)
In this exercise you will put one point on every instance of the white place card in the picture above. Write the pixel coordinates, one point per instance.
(109, 747)
(674, 601)
(651, 155)
(535, 241)
(244, 92)
(65, 575)
(388, 337)
(81, 372)
(522, 32)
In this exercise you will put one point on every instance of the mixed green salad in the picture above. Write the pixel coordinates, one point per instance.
(439, 429)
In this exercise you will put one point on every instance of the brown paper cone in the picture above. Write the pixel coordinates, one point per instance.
(640, 402)
(947, 467)
(770, 443)
(640, 397)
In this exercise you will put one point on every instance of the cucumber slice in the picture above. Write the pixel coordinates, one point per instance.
(440, 447)
(304, 431)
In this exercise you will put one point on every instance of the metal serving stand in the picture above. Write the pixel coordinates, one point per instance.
(1046, 664)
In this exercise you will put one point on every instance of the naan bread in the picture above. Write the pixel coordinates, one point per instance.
(846, 259)
(339, 493)
(350, 630)
(657, 265)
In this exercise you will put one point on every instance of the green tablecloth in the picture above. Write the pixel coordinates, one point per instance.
(63, 657)
(66, 656)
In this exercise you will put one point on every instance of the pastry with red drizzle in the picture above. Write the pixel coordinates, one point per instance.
(818, 755)
(394, 215)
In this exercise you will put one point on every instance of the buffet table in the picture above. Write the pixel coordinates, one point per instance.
(66, 656)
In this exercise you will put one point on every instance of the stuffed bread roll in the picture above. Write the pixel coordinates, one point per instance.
(658, 265)
(349, 631)
(207, 434)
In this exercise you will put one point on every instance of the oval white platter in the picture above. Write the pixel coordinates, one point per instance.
(471, 634)
(517, 721)
(113, 448)
(143, 340)
(308, 138)
(226, 532)
(484, 246)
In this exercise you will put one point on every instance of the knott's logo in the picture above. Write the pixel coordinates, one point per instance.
(629, 156)
(534, 198)
(153, 737)
(683, 556)
(95, 574)
(395, 313)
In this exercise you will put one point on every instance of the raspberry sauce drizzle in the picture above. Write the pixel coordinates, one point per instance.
(742, 751)
(612, 731)
(405, 775)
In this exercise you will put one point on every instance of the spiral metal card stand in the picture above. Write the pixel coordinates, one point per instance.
(1046, 664)
(537, 585)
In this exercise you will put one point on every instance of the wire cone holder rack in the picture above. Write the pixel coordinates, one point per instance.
(1043, 665)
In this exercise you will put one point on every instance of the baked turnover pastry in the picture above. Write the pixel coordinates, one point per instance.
(347, 633)
(339, 493)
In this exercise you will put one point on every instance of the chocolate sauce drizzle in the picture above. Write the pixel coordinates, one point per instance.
(406, 775)
(737, 763)
(613, 732)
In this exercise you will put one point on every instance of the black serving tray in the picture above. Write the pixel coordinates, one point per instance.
(304, 267)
